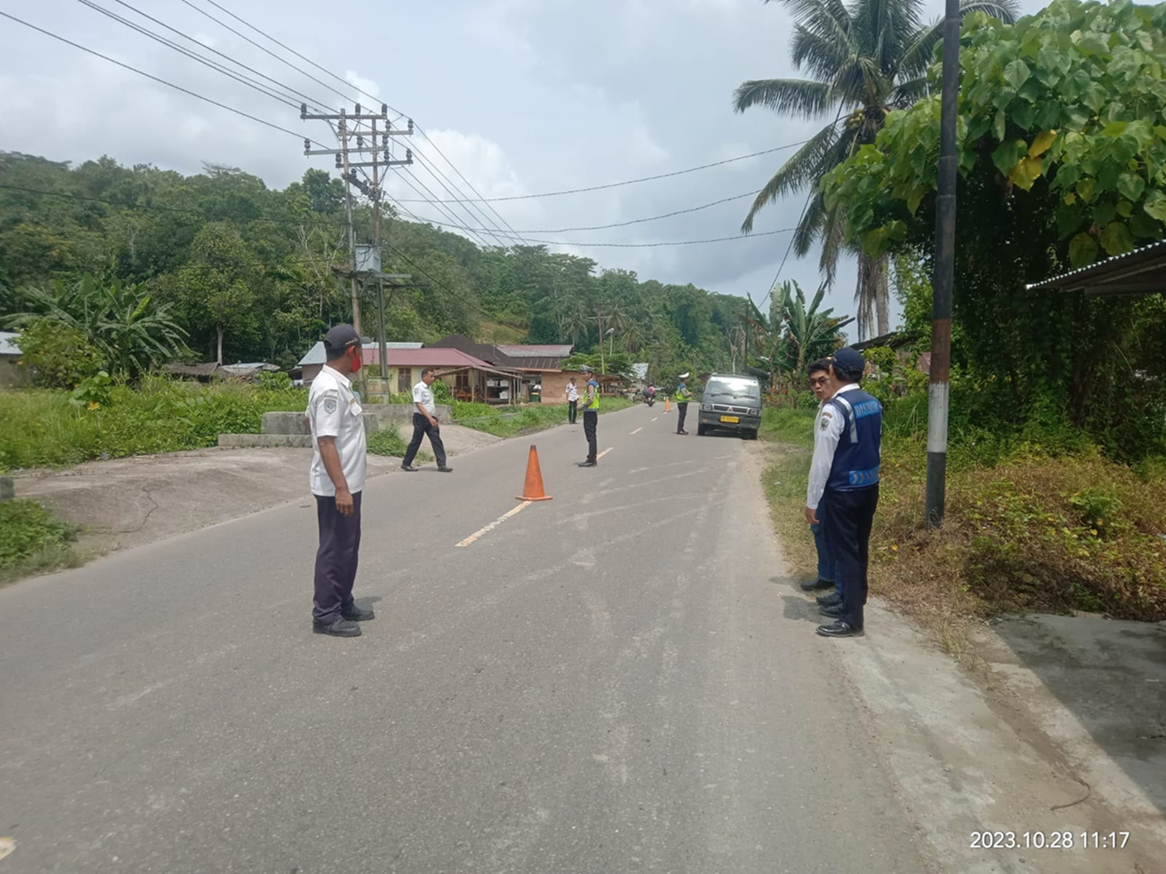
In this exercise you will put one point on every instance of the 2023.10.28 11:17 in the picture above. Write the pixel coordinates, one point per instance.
(1054, 840)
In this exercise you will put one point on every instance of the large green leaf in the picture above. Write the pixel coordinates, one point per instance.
(1082, 250)
(1007, 154)
(1117, 239)
(1155, 205)
(1017, 73)
(1131, 186)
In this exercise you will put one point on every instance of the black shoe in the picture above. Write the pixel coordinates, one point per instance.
(832, 610)
(445, 469)
(830, 600)
(817, 584)
(838, 629)
(589, 463)
(339, 628)
(356, 614)
(684, 433)
(408, 468)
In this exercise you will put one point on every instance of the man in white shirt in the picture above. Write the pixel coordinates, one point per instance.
(425, 423)
(823, 389)
(572, 401)
(337, 478)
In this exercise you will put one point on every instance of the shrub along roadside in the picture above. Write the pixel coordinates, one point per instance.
(32, 539)
(525, 420)
(1033, 532)
(40, 428)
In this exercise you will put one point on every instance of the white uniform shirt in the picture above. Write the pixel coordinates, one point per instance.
(827, 433)
(423, 394)
(333, 411)
(572, 392)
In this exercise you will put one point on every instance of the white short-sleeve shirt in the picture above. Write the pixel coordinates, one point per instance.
(423, 394)
(572, 392)
(333, 411)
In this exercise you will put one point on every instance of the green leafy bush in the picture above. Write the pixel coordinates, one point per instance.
(387, 441)
(27, 529)
(59, 355)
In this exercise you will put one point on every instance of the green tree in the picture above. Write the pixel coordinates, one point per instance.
(866, 58)
(1062, 156)
(130, 328)
(216, 287)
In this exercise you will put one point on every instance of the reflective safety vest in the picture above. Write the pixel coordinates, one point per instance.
(683, 395)
(856, 461)
(595, 403)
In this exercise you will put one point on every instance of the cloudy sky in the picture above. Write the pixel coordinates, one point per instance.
(522, 96)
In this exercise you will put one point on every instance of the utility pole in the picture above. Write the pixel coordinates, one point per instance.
(345, 163)
(940, 388)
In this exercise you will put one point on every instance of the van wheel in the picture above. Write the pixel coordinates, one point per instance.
(750, 435)
(701, 430)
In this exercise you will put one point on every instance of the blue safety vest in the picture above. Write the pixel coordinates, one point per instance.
(856, 461)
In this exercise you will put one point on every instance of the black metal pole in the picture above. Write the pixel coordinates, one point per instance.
(940, 389)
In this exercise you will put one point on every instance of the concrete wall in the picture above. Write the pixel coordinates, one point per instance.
(12, 375)
(375, 417)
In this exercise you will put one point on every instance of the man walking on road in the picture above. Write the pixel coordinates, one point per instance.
(683, 396)
(590, 417)
(844, 480)
(425, 423)
(572, 401)
(823, 391)
(337, 478)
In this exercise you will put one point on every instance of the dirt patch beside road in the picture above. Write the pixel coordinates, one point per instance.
(126, 502)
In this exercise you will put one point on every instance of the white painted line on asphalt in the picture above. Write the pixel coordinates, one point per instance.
(604, 452)
(637, 431)
(494, 524)
(656, 419)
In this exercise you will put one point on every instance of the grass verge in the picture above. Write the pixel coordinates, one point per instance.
(525, 420)
(388, 441)
(33, 540)
(1034, 532)
(41, 428)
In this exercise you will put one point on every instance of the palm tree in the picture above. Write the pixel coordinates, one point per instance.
(865, 59)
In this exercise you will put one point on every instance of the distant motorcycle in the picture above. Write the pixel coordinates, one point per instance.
(650, 400)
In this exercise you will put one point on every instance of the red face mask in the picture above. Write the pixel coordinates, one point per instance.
(356, 360)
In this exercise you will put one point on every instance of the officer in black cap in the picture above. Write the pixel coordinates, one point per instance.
(844, 481)
(339, 461)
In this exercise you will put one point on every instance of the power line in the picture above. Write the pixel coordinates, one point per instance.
(437, 148)
(434, 170)
(239, 112)
(634, 181)
(294, 52)
(265, 90)
(638, 221)
(287, 88)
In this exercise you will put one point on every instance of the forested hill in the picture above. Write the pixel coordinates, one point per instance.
(235, 256)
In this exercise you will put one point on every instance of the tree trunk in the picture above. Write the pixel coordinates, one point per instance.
(872, 297)
(219, 359)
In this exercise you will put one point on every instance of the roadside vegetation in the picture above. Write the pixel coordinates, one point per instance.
(32, 539)
(1029, 526)
(47, 428)
(506, 422)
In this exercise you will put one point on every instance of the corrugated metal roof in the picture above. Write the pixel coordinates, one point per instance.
(550, 351)
(1149, 257)
(8, 343)
(430, 357)
(316, 354)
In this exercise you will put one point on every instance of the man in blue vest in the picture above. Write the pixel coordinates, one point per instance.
(844, 481)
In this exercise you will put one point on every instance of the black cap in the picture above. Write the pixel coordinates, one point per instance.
(341, 337)
(848, 359)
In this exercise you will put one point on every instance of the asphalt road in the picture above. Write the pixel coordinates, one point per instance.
(606, 682)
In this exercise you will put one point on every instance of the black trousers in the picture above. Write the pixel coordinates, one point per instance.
(849, 516)
(572, 412)
(681, 412)
(336, 558)
(590, 423)
(422, 428)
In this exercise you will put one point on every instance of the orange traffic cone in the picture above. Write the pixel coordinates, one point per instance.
(667, 409)
(533, 490)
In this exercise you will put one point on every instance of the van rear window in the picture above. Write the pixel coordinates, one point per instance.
(736, 388)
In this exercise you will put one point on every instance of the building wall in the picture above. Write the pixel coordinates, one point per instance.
(555, 387)
(12, 375)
